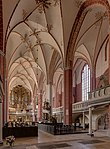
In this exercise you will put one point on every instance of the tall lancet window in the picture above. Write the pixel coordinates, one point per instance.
(85, 82)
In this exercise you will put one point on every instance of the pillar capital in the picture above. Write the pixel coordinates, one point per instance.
(69, 61)
(68, 68)
(49, 83)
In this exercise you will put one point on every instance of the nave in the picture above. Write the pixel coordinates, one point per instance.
(74, 141)
(55, 68)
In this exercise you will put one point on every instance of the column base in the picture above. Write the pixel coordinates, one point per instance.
(92, 134)
(1, 142)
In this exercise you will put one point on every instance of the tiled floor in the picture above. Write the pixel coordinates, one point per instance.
(73, 141)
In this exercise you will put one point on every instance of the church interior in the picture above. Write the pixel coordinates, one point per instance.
(55, 74)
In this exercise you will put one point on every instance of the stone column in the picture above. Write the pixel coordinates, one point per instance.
(108, 132)
(1, 114)
(60, 117)
(49, 95)
(60, 99)
(2, 68)
(83, 120)
(6, 103)
(68, 96)
(109, 54)
(1, 122)
(90, 120)
(93, 79)
(40, 106)
(33, 105)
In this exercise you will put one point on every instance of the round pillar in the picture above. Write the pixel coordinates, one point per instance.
(90, 121)
(1, 123)
(93, 79)
(68, 96)
(49, 95)
(109, 56)
(1, 114)
(108, 132)
(40, 106)
(83, 120)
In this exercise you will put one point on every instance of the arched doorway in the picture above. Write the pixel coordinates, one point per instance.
(103, 121)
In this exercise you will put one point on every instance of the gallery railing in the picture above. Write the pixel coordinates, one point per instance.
(57, 110)
(98, 97)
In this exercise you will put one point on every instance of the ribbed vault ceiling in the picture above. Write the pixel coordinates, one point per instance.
(33, 37)
(37, 33)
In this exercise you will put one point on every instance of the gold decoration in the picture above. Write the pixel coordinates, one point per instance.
(19, 98)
